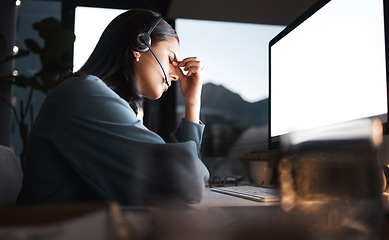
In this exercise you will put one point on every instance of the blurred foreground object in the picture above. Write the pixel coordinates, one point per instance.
(334, 173)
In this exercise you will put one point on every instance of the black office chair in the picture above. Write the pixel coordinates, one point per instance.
(10, 176)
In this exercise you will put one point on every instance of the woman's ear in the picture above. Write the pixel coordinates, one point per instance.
(136, 55)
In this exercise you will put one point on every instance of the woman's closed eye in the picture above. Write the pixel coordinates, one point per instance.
(172, 60)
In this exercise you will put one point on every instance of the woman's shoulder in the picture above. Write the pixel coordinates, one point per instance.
(81, 86)
(85, 82)
(78, 89)
(88, 95)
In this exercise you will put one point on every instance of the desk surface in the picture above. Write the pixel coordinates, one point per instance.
(224, 217)
(217, 217)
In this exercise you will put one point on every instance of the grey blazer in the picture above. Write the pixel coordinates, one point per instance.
(87, 144)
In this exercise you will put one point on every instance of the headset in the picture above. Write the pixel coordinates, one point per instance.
(142, 43)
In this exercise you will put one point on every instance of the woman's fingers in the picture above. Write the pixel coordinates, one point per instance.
(193, 70)
(187, 60)
(191, 65)
(179, 71)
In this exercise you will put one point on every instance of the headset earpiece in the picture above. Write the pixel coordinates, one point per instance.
(140, 43)
(141, 40)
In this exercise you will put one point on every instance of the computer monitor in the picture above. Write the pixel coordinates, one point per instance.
(87, 36)
(327, 67)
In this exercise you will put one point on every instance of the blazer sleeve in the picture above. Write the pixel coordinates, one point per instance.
(118, 157)
(188, 131)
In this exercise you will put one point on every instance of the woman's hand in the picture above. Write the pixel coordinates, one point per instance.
(190, 85)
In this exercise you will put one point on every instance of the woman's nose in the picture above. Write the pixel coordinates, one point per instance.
(173, 77)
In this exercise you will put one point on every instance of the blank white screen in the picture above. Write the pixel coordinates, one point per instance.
(330, 69)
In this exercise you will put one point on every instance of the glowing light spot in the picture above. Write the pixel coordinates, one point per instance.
(15, 50)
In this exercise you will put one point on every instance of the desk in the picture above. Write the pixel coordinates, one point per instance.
(224, 217)
(217, 217)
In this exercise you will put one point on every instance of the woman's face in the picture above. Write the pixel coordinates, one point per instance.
(150, 77)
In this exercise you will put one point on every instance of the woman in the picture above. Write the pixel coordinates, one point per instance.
(87, 145)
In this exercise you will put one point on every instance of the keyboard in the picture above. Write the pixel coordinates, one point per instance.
(259, 194)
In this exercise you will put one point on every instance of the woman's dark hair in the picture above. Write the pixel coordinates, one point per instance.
(112, 60)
